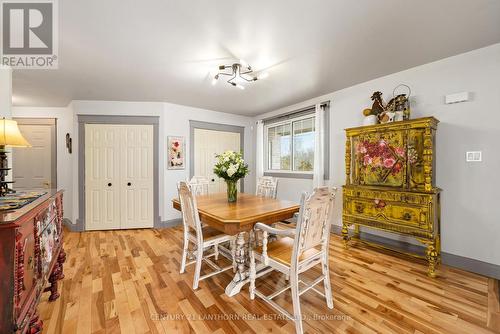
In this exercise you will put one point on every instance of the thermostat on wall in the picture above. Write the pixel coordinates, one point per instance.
(457, 98)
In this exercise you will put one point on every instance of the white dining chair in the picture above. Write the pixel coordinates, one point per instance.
(203, 238)
(292, 222)
(267, 186)
(297, 251)
(199, 185)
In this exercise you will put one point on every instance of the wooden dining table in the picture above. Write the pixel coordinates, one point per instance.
(238, 219)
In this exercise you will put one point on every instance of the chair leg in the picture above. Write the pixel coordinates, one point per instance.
(297, 315)
(252, 275)
(197, 270)
(233, 253)
(184, 255)
(216, 252)
(326, 282)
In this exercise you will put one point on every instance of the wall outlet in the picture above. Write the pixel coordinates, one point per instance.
(474, 156)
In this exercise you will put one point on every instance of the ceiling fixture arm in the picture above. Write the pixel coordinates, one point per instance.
(236, 72)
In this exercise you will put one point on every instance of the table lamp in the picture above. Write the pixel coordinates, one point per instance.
(9, 136)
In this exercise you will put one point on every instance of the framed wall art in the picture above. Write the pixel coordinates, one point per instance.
(176, 146)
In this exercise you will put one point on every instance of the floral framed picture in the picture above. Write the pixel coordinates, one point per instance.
(176, 147)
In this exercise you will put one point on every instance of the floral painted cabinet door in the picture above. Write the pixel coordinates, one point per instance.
(380, 159)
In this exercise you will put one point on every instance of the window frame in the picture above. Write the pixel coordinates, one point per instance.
(286, 173)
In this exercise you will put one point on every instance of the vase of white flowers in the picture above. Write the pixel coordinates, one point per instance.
(231, 167)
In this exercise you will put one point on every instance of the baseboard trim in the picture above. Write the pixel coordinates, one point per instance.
(72, 227)
(169, 223)
(452, 260)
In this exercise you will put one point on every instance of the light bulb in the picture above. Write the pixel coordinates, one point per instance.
(240, 86)
(214, 81)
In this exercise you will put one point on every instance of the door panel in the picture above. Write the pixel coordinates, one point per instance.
(32, 166)
(208, 143)
(102, 176)
(137, 176)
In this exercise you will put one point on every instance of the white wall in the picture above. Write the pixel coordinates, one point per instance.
(5, 91)
(470, 206)
(64, 118)
(174, 121)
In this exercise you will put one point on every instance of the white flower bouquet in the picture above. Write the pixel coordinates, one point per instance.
(231, 167)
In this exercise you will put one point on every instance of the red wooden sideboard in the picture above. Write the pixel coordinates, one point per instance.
(31, 261)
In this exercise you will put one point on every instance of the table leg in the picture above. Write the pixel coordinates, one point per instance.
(241, 256)
(242, 273)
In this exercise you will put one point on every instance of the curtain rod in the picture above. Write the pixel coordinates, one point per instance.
(298, 111)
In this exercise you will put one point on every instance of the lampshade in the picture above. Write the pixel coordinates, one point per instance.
(10, 134)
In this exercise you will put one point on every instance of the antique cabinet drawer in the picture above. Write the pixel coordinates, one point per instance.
(393, 212)
(47, 216)
(418, 199)
(49, 236)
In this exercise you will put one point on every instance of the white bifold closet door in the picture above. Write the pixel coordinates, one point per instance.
(118, 176)
(208, 143)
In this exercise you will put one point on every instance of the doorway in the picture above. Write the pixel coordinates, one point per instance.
(118, 176)
(209, 139)
(118, 172)
(35, 167)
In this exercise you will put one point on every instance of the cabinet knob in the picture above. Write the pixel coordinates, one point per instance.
(129, 184)
(109, 184)
(213, 180)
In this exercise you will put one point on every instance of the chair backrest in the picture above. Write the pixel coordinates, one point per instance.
(267, 186)
(313, 225)
(190, 216)
(199, 185)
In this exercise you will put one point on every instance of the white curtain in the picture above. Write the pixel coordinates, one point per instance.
(259, 151)
(319, 144)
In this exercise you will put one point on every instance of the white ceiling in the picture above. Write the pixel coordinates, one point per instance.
(163, 50)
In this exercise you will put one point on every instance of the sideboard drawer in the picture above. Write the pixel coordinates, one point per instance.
(47, 216)
(395, 212)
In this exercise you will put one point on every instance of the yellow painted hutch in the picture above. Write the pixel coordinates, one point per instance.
(390, 183)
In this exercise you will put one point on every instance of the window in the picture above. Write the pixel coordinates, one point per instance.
(290, 145)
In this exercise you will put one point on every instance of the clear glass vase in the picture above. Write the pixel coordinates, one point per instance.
(232, 191)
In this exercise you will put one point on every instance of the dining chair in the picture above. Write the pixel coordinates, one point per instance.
(267, 186)
(199, 185)
(297, 251)
(292, 222)
(202, 237)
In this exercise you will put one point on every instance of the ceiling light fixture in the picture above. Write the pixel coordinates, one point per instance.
(238, 72)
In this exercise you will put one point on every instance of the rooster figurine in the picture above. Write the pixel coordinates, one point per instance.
(378, 104)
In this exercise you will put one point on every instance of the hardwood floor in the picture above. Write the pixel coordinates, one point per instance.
(129, 282)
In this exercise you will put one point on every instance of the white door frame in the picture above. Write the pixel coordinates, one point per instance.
(214, 127)
(100, 119)
(53, 141)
